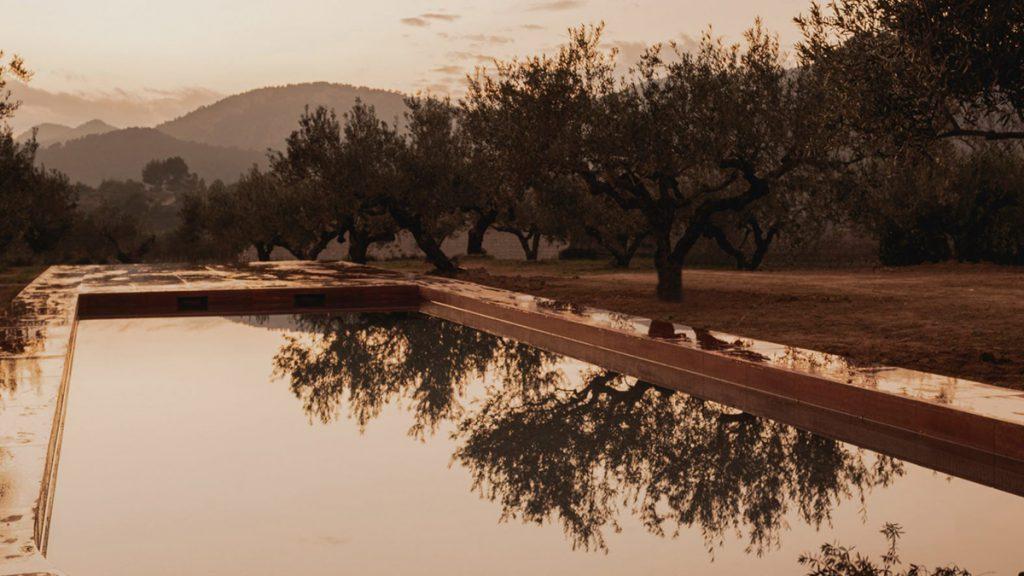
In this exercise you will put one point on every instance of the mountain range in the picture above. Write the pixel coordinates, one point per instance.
(218, 141)
(121, 155)
(262, 118)
(49, 133)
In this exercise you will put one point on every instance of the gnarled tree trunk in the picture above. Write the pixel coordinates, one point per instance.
(263, 250)
(622, 247)
(476, 232)
(670, 271)
(670, 281)
(762, 242)
(360, 241)
(430, 247)
(529, 240)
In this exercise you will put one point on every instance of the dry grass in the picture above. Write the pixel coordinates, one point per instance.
(956, 319)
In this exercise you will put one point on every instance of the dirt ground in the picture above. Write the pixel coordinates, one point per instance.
(956, 319)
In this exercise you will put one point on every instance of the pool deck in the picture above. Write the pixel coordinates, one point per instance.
(963, 428)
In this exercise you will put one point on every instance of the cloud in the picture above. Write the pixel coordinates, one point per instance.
(556, 5)
(450, 69)
(118, 107)
(488, 39)
(424, 20)
(532, 27)
(326, 540)
(462, 55)
(438, 88)
(630, 52)
(439, 16)
(686, 43)
(70, 75)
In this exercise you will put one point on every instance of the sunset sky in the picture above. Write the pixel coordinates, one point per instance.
(135, 49)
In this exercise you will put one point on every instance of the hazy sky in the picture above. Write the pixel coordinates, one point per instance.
(137, 48)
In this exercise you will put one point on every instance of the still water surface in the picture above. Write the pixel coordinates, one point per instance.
(403, 444)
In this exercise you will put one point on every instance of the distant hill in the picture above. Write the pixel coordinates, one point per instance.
(121, 154)
(137, 108)
(263, 118)
(49, 133)
(219, 140)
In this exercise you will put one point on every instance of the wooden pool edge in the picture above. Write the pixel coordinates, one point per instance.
(935, 453)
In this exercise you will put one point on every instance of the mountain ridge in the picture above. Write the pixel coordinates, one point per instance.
(262, 118)
(49, 133)
(121, 155)
(218, 141)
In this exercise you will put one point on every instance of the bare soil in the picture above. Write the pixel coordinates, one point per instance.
(956, 319)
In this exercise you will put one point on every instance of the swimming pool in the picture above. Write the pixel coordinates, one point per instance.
(396, 442)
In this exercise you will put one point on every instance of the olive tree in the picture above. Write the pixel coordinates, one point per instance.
(37, 206)
(513, 121)
(274, 211)
(432, 177)
(318, 152)
(208, 229)
(16, 178)
(802, 209)
(906, 71)
(678, 143)
(376, 180)
(15, 67)
(171, 175)
(619, 232)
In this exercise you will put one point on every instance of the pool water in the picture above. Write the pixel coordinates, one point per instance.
(397, 443)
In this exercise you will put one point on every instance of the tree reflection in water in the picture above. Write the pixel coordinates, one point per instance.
(371, 360)
(579, 448)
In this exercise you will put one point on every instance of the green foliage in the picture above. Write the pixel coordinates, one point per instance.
(917, 239)
(950, 203)
(513, 119)
(51, 212)
(675, 143)
(434, 180)
(988, 209)
(904, 72)
(17, 175)
(171, 175)
(115, 231)
(208, 227)
(726, 143)
(37, 207)
(367, 180)
(15, 67)
(268, 210)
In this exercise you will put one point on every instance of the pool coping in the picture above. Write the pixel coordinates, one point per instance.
(963, 428)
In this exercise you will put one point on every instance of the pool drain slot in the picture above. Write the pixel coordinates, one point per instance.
(193, 303)
(310, 300)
